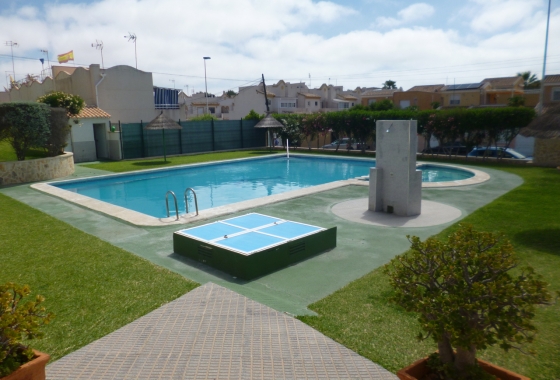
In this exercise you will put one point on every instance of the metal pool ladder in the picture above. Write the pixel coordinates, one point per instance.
(187, 203)
(167, 203)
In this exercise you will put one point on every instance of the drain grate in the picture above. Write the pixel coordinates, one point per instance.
(297, 248)
(205, 251)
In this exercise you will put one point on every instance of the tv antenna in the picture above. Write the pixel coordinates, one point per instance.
(11, 44)
(132, 37)
(98, 45)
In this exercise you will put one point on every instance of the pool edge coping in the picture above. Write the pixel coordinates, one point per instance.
(139, 219)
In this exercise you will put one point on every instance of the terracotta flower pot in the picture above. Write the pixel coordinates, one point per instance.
(32, 370)
(418, 369)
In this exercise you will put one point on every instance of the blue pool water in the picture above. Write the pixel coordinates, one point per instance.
(219, 184)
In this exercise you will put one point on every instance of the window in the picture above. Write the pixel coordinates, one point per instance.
(556, 94)
(225, 109)
(455, 99)
(308, 103)
(212, 109)
(404, 104)
(371, 101)
(343, 105)
(288, 105)
(316, 103)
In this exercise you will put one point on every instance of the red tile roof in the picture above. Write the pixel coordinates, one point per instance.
(552, 79)
(90, 112)
(427, 88)
(502, 83)
(376, 93)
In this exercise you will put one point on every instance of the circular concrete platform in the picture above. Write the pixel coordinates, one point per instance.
(433, 214)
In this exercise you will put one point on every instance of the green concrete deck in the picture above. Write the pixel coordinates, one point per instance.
(361, 248)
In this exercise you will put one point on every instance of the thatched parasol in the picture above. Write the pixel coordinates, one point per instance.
(269, 122)
(162, 122)
(545, 126)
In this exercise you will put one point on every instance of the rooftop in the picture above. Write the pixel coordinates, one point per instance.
(427, 88)
(552, 79)
(91, 112)
(503, 83)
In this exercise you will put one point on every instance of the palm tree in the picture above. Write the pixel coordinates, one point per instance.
(529, 80)
(389, 84)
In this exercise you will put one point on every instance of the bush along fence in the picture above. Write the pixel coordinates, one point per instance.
(472, 127)
(194, 137)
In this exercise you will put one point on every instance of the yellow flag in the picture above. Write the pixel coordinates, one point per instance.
(63, 58)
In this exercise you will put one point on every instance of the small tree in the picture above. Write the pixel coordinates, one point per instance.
(516, 101)
(24, 125)
(59, 131)
(252, 115)
(73, 103)
(466, 297)
(18, 321)
(389, 85)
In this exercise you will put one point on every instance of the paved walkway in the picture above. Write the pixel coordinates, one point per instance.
(215, 333)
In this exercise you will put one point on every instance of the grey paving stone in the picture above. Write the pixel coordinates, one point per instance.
(213, 332)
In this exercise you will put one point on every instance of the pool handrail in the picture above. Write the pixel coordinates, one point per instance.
(187, 203)
(167, 203)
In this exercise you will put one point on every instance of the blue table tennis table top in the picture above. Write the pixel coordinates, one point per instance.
(250, 233)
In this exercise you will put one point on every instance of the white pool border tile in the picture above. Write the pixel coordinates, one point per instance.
(139, 219)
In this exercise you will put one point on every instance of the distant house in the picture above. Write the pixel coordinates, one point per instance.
(498, 91)
(463, 95)
(551, 91)
(372, 96)
(423, 97)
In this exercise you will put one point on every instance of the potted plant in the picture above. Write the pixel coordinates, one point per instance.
(467, 299)
(20, 321)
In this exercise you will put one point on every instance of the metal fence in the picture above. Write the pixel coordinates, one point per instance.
(194, 137)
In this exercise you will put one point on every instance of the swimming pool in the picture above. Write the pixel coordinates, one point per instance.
(224, 183)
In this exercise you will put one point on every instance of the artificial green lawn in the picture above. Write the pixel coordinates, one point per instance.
(7, 153)
(360, 317)
(153, 163)
(93, 287)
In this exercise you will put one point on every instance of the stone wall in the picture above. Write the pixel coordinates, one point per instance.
(41, 169)
(547, 152)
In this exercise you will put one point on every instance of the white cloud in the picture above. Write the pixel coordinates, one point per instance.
(278, 38)
(407, 15)
(490, 16)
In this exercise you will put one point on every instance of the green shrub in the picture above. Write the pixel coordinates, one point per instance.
(252, 115)
(73, 103)
(59, 131)
(25, 125)
(466, 297)
(18, 321)
(206, 117)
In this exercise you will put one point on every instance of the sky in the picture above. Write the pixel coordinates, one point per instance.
(350, 43)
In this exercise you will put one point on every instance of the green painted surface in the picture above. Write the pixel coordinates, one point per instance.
(360, 248)
(258, 264)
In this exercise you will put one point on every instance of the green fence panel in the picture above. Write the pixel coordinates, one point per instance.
(153, 142)
(253, 137)
(132, 140)
(227, 135)
(196, 136)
